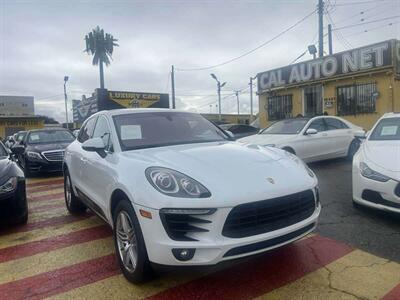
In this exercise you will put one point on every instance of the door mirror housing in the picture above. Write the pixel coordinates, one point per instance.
(94, 145)
(311, 131)
(17, 149)
(360, 135)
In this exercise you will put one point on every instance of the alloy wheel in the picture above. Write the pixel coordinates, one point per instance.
(126, 240)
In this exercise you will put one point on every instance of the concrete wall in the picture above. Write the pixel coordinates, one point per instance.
(17, 106)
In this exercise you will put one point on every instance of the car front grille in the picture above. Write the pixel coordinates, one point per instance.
(181, 224)
(375, 197)
(268, 215)
(56, 155)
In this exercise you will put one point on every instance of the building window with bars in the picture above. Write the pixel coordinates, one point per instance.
(356, 99)
(279, 107)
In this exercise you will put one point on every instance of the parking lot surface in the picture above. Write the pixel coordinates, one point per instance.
(353, 255)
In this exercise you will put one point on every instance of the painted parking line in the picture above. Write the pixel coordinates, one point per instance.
(46, 262)
(41, 188)
(54, 191)
(33, 205)
(47, 213)
(50, 196)
(19, 238)
(54, 242)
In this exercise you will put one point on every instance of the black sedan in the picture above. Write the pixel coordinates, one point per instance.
(42, 150)
(13, 204)
(240, 130)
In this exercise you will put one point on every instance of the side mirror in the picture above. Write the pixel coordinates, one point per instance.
(17, 149)
(94, 145)
(360, 135)
(311, 131)
(230, 134)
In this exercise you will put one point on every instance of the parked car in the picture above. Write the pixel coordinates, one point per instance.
(20, 136)
(376, 166)
(311, 139)
(13, 204)
(240, 130)
(43, 150)
(178, 192)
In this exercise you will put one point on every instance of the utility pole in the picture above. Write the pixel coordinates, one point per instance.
(251, 97)
(173, 85)
(65, 98)
(321, 28)
(330, 39)
(219, 86)
(238, 105)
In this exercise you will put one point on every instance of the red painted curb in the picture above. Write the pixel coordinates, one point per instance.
(393, 294)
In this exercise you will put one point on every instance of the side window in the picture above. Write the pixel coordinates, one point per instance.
(242, 129)
(318, 124)
(86, 131)
(103, 131)
(334, 124)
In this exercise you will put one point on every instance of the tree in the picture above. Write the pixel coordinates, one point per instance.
(101, 46)
(49, 120)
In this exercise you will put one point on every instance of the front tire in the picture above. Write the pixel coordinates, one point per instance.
(74, 205)
(129, 244)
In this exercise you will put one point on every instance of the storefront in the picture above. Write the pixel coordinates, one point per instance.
(102, 99)
(359, 85)
(12, 124)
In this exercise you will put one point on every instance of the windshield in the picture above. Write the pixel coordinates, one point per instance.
(3, 151)
(291, 126)
(20, 136)
(145, 130)
(50, 137)
(225, 126)
(386, 130)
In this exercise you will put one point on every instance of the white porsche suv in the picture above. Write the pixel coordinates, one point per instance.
(177, 191)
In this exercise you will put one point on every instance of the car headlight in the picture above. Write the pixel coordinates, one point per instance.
(175, 184)
(371, 174)
(33, 155)
(300, 161)
(9, 186)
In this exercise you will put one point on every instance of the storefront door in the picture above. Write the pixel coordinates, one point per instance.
(313, 101)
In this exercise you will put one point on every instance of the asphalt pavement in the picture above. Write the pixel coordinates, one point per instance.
(373, 231)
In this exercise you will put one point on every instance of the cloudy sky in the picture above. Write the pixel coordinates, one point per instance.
(42, 40)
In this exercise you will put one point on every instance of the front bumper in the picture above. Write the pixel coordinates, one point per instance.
(212, 247)
(43, 165)
(375, 194)
(13, 205)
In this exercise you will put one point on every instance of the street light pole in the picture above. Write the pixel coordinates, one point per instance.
(238, 106)
(65, 97)
(219, 86)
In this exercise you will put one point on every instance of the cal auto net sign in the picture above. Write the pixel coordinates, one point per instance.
(352, 61)
(136, 100)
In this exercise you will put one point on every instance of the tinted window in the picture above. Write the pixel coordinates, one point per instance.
(102, 131)
(387, 129)
(291, 126)
(86, 131)
(144, 130)
(333, 124)
(244, 129)
(318, 124)
(50, 136)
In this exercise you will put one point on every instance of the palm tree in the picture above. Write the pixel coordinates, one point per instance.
(101, 46)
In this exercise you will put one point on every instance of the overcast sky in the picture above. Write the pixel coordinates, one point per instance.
(41, 41)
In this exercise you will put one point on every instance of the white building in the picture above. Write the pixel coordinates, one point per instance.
(17, 106)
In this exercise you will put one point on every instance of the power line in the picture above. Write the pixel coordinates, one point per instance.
(361, 2)
(346, 44)
(252, 50)
(372, 29)
(363, 23)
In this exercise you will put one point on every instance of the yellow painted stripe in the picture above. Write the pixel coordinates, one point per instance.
(117, 287)
(36, 204)
(44, 215)
(53, 260)
(50, 186)
(51, 231)
(358, 275)
(45, 193)
(35, 180)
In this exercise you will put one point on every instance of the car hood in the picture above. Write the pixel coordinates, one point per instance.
(265, 139)
(231, 170)
(47, 147)
(384, 154)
